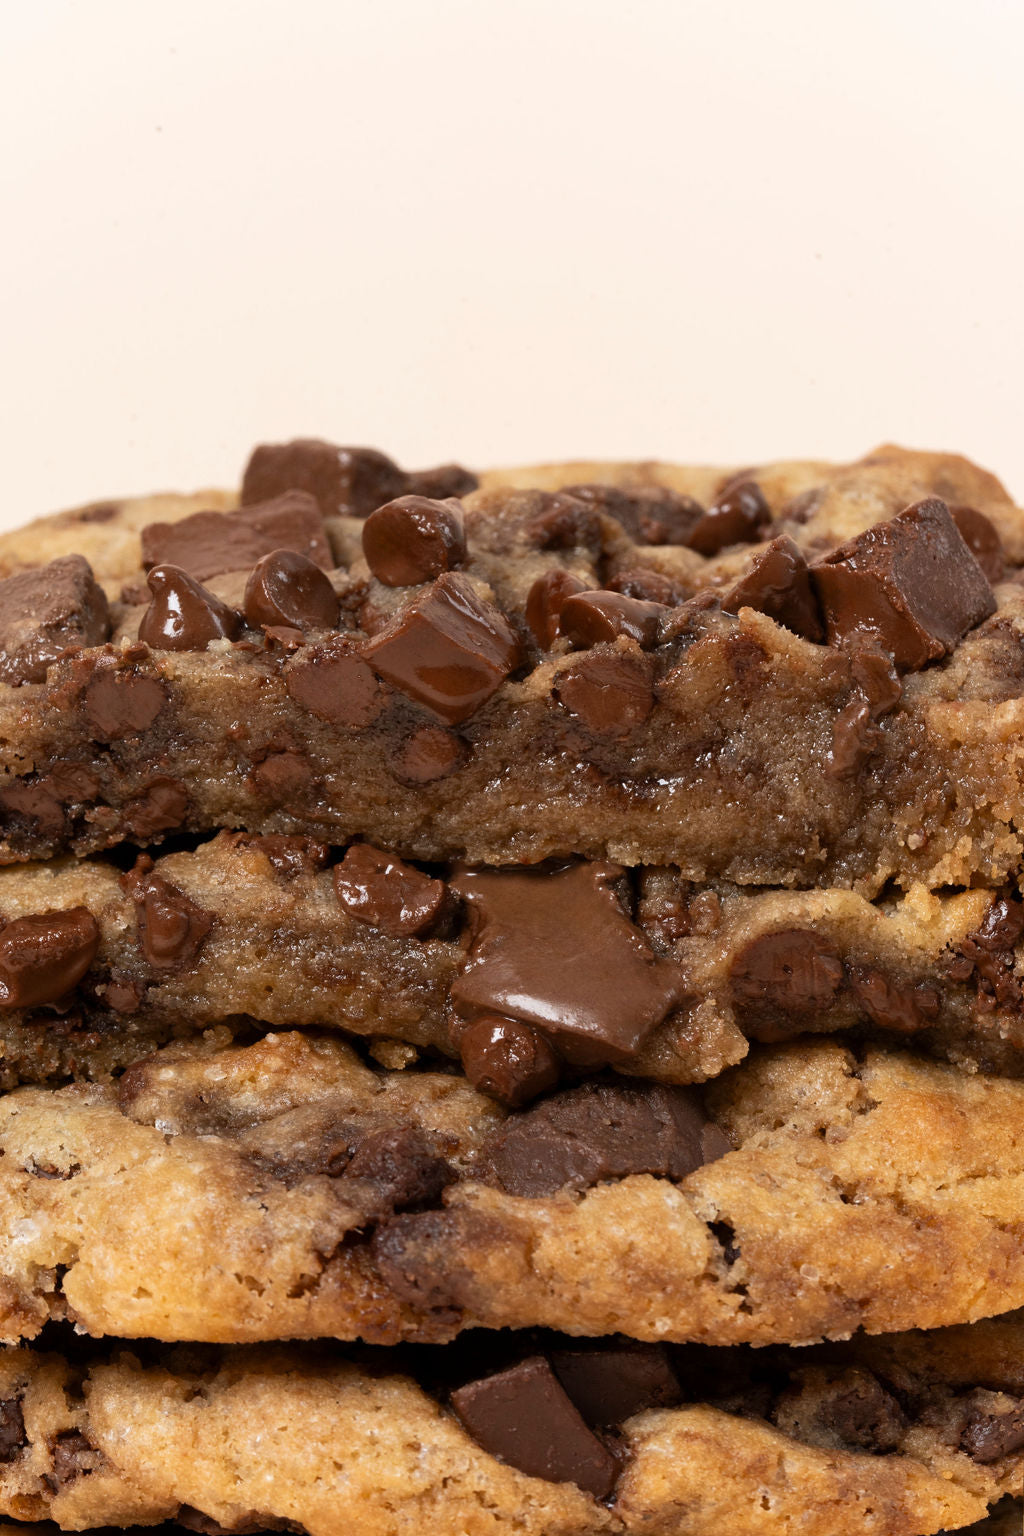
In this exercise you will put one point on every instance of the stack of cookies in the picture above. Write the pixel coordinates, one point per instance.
(512, 1002)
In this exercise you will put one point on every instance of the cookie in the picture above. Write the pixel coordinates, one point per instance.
(809, 676)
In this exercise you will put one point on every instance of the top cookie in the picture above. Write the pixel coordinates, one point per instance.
(802, 674)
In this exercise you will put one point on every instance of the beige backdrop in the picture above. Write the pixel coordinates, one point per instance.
(504, 231)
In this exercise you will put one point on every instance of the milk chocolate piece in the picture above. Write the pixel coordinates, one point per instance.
(779, 584)
(286, 589)
(864, 1414)
(739, 516)
(525, 1418)
(781, 981)
(333, 682)
(43, 956)
(119, 702)
(413, 539)
(184, 616)
(428, 754)
(508, 1060)
(209, 543)
(172, 927)
(650, 514)
(588, 618)
(876, 691)
(649, 585)
(12, 1430)
(449, 649)
(345, 481)
(45, 611)
(611, 692)
(893, 1005)
(380, 889)
(981, 536)
(544, 603)
(603, 1131)
(612, 1382)
(911, 584)
(555, 949)
(162, 805)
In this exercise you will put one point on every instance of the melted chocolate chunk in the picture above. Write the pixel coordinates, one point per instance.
(449, 650)
(12, 1430)
(911, 584)
(988, 1437)
(612, 1382)
(121, 703)
(739, 516)
(611, 693)
(293, 856)
(282, 776)
(162, 806)
(650, 586)
(525, 1418)
(210, 543)
(184, 616)
(779, 584)
(864, 1414)
(417, 1258)
(649, 514)
(781, 981)
(44, 612)
(43, 956)
(901, 1007)
(414, 539)
(555, 949)
(171, 926)
(428, 754)
(588, 618)
(603, 1131)
(982, 539)
(508, 1060)
(345, 481)
(334, 683)
(287, 589)
(545, 601)
(876, 692)
(382, 890)
(46, 801)
(563, 521)
(403, 1164)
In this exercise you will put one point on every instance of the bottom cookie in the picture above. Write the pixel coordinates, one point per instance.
(539, 1434)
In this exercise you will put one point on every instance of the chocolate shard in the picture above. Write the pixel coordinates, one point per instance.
(599, 1132)
(384, 891)
(508, 1060)
(347, 482)
(588, 618)
(554, 948)
(525, 1418)
(780, 982)
(171, 926)
(183, 615)
(286, 589)
(449, 649)
(650, 514)
(911, 584)
(740, 515)
(45, 611)
(611, 1382)
(209, 543)
(610, 692)
(545, 601)
(413, 539)
(43, 956)
(779, 584)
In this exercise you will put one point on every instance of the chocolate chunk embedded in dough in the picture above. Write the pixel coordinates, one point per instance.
(556, 949)
(545, 601)
(413, 539)
(172, 927)
(779, 584)
(911, 583)
(649, 514)
(610, 692)
(508, 1060)
(209, 543)
(989, 1436)
(524, 1417)
(284, 588)
(380, 889)
(43, 612)
(334, 683)
(183, 615)
(588, 618)
(781, 981)
(863, 1413)
(43, 956)
(739, 516)
(611, 1383)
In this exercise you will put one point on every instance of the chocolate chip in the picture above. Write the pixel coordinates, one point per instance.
(287, 589)
(902, 1007)
(282, 776)
(414, 539)
(611, 693)
(209, 543)
(588, 618)
(911, 583)
(740, 515)
(525, 1418)
(989, 1437)
(649, 585)
(73, 1457)
(184, 616)
(876, 692)
(602, 1131)
(47, 799)
(429, 753)
(45, 611)
(43, 956)
(121, 703)
(544, 603)
(864, 1414)
(982, 539)
(334, 683)
(448, 649)
(441, 482)
(649, 514)
(779, 584)
(781, 981)
(382, 890)
(292, 856)
(171, 926)
(12, 1430)
(563, 521)
(610, 1383)
(281, 637)
(162, 806)
(508, 1060)
(403, 1164)
(555, 949)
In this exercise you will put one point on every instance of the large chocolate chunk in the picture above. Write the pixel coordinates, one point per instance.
(779, 584)
(209, 543)
(588, 618)
(172, 927)
(508, 1060)
(287, 589)
(43, 612)
(43, 956)
(413, 539)
(603, 1131)
(120, 702)
(556, 949)
(183, 615)
(912, 584)
(333, 682)
(382, 890)
(428, 754)
(610, 1383)
(525, 1418)
(345, 481)
(781, 981)
(449, 650)
(610, 692)
(12, 1429)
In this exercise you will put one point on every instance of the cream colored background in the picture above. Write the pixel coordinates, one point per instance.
(504, 231)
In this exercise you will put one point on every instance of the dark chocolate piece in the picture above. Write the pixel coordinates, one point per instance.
(74, 1456)
(988, 1437)
(414, 539)
(898, 1006)
(287, 589)
(563, 521)
(448, 649)
(525, 1418)
(650, 586)
(610, 692)
(740, 515)
(911, 584)
(209, 543)
(334, 683)
(172, 927)
(556, 949)
(281, 777)
(982, 539)
(43, 956)
(43, 612)
(508, 1060)
(345, 481)
(588, 618)
(612, 1382)
(12, 1430)
(650, 514)
(403, 1163)
(603, 1131)
(779, 584)
(184, 616)
(382, 890)
(544, 603)
(864, 1414)
(781, 981)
